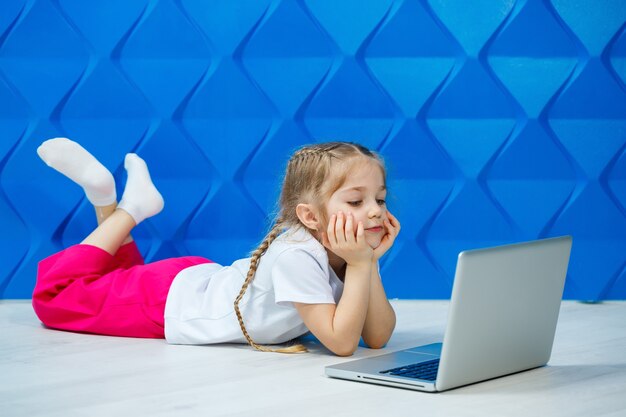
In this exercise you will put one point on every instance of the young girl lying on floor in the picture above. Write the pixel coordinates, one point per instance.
(316, 270)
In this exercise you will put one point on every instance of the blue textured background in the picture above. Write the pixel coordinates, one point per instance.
(499, 120)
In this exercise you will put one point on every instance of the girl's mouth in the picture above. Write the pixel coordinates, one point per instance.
(376, 229)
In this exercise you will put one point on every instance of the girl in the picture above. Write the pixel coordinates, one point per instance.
(316, 270)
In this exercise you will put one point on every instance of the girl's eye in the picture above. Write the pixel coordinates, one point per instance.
(381, 202)
(354, 203)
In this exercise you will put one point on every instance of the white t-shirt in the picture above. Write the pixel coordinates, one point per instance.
(295, 268)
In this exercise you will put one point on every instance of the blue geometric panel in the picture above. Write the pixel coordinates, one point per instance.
(616, 179)
(258, 175)
(226, 23)
(290, 43)
(332, 16)
(14, 240)
(104, 25)
(348, 105)
(43, 56)
(593, 23)
(410, 71)
(617, 57)
(500, 122)
(165, 46)
(532, 56)
(543, 183)
(472, 26)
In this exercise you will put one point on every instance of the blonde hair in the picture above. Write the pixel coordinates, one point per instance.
(313, 174)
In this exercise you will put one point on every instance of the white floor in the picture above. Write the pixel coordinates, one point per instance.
(51, 373)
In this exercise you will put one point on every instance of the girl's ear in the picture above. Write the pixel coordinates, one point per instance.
(308, 216)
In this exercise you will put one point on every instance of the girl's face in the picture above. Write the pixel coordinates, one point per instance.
(363, 194)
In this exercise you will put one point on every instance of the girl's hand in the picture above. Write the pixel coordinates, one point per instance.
(392, 226)
(342, 240)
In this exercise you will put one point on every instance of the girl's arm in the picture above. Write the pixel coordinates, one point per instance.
(380, 319)
(339, 326)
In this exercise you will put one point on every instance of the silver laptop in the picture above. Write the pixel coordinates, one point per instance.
(501, 320)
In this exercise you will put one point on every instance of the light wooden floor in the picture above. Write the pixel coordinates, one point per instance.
(52, 373)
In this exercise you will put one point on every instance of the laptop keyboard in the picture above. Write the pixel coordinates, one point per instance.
(423, 370)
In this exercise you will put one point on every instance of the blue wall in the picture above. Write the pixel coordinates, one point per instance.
(499, 120)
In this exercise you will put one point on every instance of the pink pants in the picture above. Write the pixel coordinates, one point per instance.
(85, 289)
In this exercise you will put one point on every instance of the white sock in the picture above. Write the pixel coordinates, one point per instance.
(73, 161)
(141, 199)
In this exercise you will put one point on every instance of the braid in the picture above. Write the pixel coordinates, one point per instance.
(254, 263)
(311, 152)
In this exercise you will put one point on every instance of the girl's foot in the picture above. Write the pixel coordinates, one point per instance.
(141, 199)
(73, 161)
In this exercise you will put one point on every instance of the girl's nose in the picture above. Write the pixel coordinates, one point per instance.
(375, 210)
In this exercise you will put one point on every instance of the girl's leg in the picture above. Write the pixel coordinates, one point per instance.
(80, 289)
(83, 288)
(75, 162)
(112, 232)
(140, 200)
(103, 212)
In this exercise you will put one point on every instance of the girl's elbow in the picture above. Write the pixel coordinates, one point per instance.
(378, 342)
(344, 352)
(344, 349)
(377, 345)
(379, 339)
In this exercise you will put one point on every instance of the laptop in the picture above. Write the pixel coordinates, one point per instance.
(501, 320)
